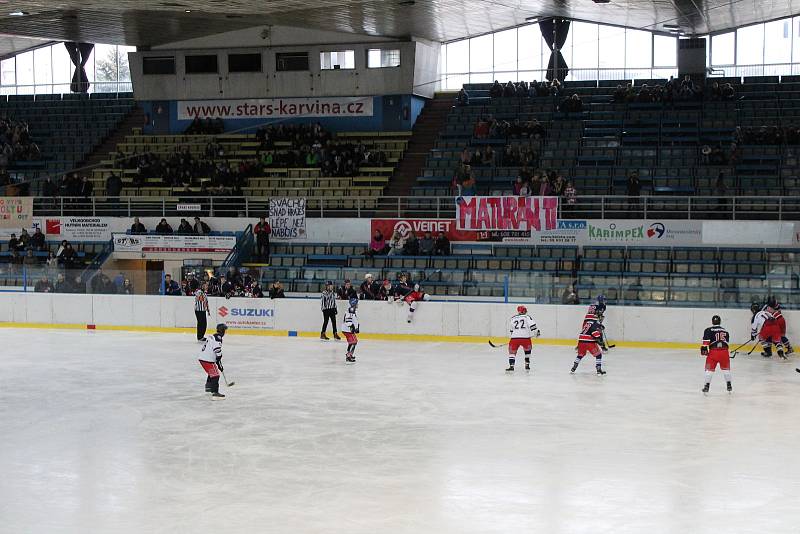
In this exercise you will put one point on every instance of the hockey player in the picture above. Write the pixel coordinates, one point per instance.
(765, 328)
(402, 288)
(591, 340)
(211, 360)
(415, 296)
(597, 310)
(350, 328)
(521, 327)
(715, 349)
(774, 308)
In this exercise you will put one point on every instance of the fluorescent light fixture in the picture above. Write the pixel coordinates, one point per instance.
(531, 19)
(18, 13)
(668, 26)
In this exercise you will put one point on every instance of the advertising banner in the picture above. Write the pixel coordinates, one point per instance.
(245, 313)
(275, 108)
(643, 232)
(16, 212)
(287, 218)
(173, 243)
(79, 228)
(388, 227)
(506, 218)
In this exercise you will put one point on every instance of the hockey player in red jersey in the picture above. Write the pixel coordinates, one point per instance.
(597, 310)
(774, 309)
(521, 327)
(765, 327)
(413, 298)
(715, 349)
(591, 340)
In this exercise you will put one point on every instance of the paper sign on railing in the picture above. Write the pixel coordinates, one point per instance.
(287, 218)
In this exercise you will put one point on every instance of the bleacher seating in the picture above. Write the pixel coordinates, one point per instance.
(599, 148)
(65, 127)
(642, 276)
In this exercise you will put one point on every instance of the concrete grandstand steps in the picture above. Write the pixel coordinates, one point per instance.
(424, 135)
(134, 119)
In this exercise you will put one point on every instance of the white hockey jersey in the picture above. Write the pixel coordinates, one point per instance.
(350, 322)
(212, 349)
(758, 321)
(522, 327)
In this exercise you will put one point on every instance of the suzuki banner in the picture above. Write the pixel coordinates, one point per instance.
(275, 108)
(244, 313)
(173, 243)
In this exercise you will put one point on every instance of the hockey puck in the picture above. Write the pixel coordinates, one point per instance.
(796, 369)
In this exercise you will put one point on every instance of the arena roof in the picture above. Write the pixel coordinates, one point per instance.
(152, 22)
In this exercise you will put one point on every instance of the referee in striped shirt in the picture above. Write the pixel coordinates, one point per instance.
(201, 310)
(328, 306)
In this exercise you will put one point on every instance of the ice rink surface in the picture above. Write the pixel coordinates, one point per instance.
(111, 432)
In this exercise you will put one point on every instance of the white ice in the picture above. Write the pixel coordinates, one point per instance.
(112, 433)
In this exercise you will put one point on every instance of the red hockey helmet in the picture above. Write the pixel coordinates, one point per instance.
(522, 309)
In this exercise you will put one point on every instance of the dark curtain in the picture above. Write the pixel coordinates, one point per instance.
(555, 31)
(79, 54)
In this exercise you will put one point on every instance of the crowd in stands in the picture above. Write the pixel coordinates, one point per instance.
(16, 143)
(408, 245)
(233, 284)
(199, 227)
(491, 128)
(672, 91)
(205, 127)
(526, 90)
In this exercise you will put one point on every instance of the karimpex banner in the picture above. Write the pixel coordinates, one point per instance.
(287, 218)
(275, 108)
(174, 243)
(642, 232)
(16, 212)
(79, 228)
(506, 218)
(388, 227)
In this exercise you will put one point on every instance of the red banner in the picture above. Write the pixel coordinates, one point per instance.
(420, 226)
(507, 214)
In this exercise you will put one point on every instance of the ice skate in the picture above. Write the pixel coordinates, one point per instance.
(574, 368)
(706, 387)
(217, 396)
(600, 371)
(730, 387)
(510, 369)
(350, 359)
(323, 337)
(336, 337)
(782, 355)
(527, 367)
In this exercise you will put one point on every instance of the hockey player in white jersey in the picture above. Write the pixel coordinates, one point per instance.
(211, 360)
(521, 328)
(350, 329)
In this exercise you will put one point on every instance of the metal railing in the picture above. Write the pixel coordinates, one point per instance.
(784, 208)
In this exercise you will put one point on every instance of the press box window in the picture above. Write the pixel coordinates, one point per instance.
(158, 65)
(244, 62)
(378, 58)
(206, 64)
(291, 61)
(341, 59)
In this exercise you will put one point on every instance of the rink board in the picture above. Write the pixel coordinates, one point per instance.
(433, 321)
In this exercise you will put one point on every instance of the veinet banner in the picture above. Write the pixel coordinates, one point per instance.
(259, 108)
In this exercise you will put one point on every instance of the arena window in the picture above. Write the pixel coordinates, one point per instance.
(291, 61)
(378, 58)
(244, 62)
(338, 59)
(205, 64)
(158, 65)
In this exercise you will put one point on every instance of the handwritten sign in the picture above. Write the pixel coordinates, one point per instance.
(16, 212)
(287, 218)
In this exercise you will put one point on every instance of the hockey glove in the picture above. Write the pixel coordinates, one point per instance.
(219, 364)
(358, 330)
(704, 351)
(752, 336)
(538, 332)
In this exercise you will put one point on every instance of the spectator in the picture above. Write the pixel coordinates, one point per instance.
(200, 227)
(185, 228)
(163, 227)
(570, 296)
(62, 285)
(127, 287)
(276, 290)
(100, 282)
(633, 190)
(369, 288)
(86, 188)
(51, 262)
(463, 98)
(118, 282)
(262, 231)
(137, 228)
(385, 291)
(411, 248)
(43, 285)
(728, 93)
(15, 262)
(79, 286)
(396, 244)
(15, 244)
(426, 245)
(256, 291)
(716, 91)
(442, 246)
(25, 239)
(29, 260)
(496, 90)
(49, 188)
(37, 240)
(171, 287)
(347, 291)
(113, 185)
(377, 246)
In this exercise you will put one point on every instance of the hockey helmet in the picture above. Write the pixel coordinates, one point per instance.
(329, 283)
(755, 307)
(354, 303)
(772, 302)
(522, 310)
(368, 276)
(716, 320)
(387, 283)
(416, 287)
(601, 298)
(222, 328)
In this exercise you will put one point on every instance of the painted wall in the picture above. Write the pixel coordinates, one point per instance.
(624, 324)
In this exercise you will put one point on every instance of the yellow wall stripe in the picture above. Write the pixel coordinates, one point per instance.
(379, 337)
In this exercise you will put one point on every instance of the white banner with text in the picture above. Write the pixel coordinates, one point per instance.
(173, 243)
(275, 108)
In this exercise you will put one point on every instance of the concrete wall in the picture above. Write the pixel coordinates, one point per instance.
(478, 320)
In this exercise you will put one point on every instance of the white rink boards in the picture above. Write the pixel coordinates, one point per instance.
(111, 432)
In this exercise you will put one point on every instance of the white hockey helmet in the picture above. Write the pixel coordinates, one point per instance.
(368, 276)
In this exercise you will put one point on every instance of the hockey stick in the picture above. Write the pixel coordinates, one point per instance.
(735, 352)
(497, 346)
(229, 384)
